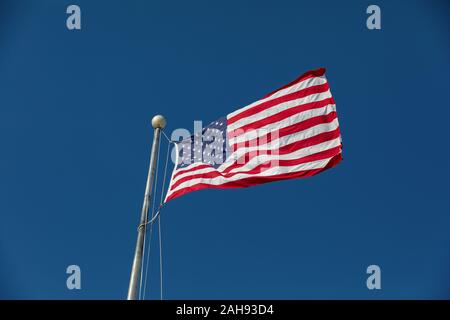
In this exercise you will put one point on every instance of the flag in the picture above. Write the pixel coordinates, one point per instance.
(292, 132)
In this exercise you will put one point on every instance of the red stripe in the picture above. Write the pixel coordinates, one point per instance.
(289, 148)
(261, 167)
(288, 97)
(180, 171)
(296, 127)
(251, 181)
(291, 162)
(322, 137)
(280, 116)
(269, 137)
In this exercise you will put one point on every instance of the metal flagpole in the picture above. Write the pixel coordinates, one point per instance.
(158, 123)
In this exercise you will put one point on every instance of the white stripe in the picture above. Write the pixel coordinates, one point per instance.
(296, 87)
(192, 165)
(270, 172)
(298, 154)
(270, 146)
(190, 173)
(261, 158)
(279, 108)
(282, 141)
(296, 118)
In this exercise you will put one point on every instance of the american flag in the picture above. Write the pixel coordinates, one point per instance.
(292, 132)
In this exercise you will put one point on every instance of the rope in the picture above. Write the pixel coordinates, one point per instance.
(160, 261)
(167, 138)
(146, 259)
(159, 222)
(153, 219)
(155, 216)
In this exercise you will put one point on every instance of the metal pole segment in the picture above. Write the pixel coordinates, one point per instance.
(158, 123)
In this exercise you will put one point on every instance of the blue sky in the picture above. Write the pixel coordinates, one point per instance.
(75, 110)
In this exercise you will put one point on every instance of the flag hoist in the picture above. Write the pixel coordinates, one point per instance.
(158, 123)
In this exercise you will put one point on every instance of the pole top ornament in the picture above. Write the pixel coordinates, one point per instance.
(158, 121)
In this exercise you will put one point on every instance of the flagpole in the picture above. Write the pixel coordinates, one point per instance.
(158, 123)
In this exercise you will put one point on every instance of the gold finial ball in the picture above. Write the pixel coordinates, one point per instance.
(158, 121)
